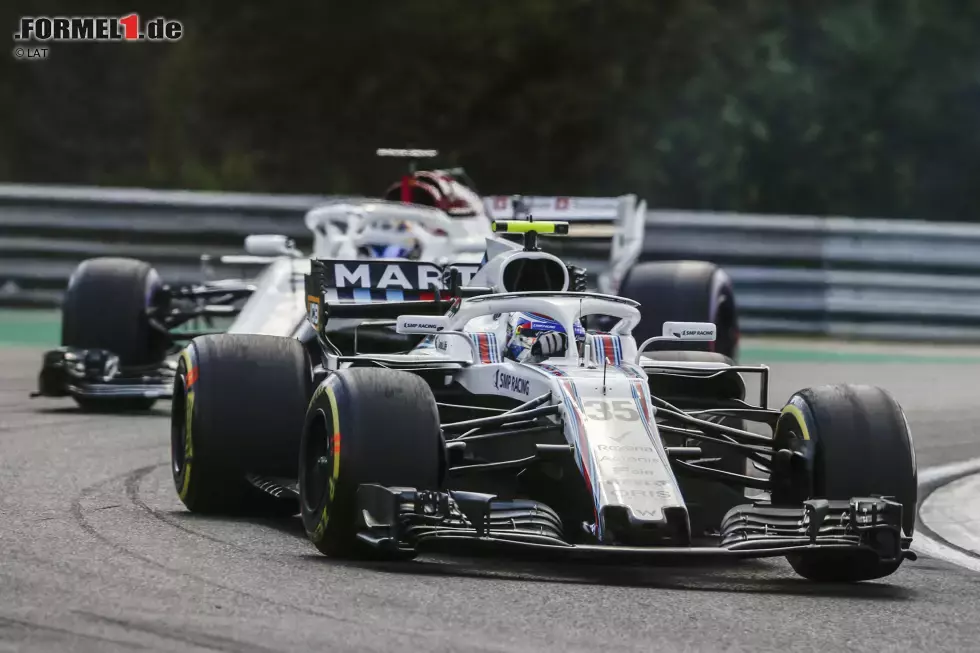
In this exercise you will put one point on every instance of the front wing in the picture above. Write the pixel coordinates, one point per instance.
(95, 374)
(395, 520)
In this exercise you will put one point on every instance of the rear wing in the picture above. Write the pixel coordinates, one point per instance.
(382, 289)
(621, 218)
(566, 209)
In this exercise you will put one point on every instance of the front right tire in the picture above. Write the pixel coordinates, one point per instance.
(364, 426)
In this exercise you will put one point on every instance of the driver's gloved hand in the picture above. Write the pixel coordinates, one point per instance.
(553, 343)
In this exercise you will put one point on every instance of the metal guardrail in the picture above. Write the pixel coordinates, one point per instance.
(46, 231)
(836, 276)
(807, 275)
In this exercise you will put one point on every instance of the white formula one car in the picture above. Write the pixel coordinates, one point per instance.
(504, 421)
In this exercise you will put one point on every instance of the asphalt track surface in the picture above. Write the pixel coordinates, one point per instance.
(97, 554)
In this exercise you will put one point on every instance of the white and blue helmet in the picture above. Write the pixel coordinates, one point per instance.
(523, 330)
(390, 251)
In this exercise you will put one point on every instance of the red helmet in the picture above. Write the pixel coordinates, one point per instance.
(437, 188)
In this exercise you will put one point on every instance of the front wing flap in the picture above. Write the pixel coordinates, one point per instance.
(404, 519)
(95, 373)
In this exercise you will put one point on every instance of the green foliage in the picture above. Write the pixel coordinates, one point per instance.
(830, 107)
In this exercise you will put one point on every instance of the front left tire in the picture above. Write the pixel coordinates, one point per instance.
(858, 444)
(238, 409)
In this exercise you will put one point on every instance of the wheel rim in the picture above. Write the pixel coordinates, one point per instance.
(789, 490)
(318, 464)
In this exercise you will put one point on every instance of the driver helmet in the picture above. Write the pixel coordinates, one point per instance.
(523, 330)
(393, 251)
(440, 189)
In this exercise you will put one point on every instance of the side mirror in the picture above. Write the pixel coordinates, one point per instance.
(271, 245)
(696, 331)
(421, 323)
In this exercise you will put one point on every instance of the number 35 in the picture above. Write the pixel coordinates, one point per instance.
(602, 409)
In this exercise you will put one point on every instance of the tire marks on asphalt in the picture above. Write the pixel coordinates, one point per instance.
(87, 511)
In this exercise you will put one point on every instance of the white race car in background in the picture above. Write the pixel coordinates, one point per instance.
(429, 215)
(121, 322)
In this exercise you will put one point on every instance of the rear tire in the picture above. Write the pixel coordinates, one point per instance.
(684, 291)
(238, 408)
(364, 426)
(859, 445)
(105, 308)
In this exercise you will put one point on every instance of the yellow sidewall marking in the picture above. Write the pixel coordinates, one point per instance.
(188, 420)
(320, 389)
(790, 409)
(336, 437)
(321, 526)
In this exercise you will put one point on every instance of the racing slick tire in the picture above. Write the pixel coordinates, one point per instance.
(238, 408)
(105, 308)
(365, 426)
(859, 445)
(683, 291)
(708, 501)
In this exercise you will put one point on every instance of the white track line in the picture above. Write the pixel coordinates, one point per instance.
(926, 545)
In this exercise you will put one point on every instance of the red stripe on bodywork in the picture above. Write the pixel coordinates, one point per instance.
(606, 349)
(484, 341)
(638, 385)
